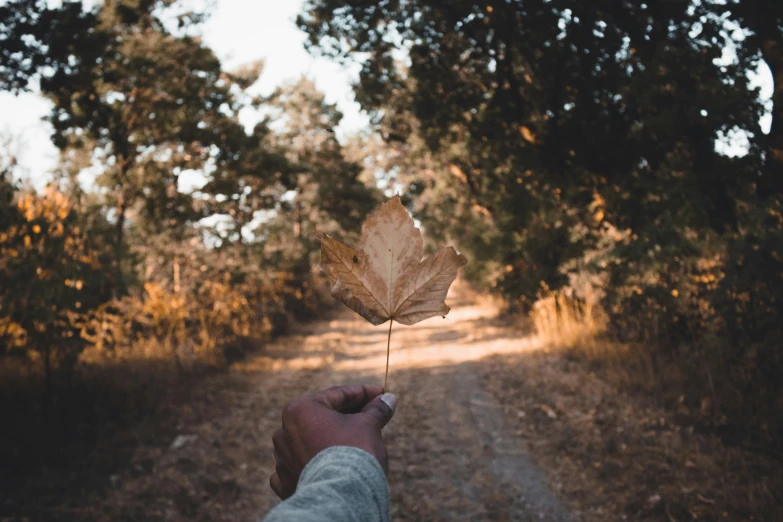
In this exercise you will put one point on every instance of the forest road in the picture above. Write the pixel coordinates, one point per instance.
(452, 455)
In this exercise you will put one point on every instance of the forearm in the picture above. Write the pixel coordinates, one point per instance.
(340, 483)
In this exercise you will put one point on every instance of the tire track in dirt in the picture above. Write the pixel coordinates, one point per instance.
(452, 456)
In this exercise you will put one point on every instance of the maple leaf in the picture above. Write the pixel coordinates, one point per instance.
(385, 279)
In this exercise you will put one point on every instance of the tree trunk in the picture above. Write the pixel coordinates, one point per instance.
(176, 276)
(772, 175)
(763, 18)
(297, 217)
(123, 164)
(119, 236)
(120, 225)
(48, 396)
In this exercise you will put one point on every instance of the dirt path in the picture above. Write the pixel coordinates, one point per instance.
(478, 405)
(452, 455)
(450, 446)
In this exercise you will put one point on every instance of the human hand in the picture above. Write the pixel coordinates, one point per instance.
(339, 416)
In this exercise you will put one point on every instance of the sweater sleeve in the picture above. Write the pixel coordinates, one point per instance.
(340, 484)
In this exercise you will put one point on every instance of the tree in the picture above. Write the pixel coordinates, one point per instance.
(52, 270)
(132, 263)
(763, 21)
(327, 192)
(7, 188)
(148, 102)
(572, 144)
(35, 37)
(550, 114)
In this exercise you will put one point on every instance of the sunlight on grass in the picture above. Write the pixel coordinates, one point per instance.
(563, 321)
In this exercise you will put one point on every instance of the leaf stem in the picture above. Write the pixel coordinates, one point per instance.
(388, 345)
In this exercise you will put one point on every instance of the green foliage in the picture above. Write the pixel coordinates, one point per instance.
(327, 192)
(572, 143)
(748, 295)
(564, 145)
(53, 270)
(35, 37)
(536, 106)
(134, 267)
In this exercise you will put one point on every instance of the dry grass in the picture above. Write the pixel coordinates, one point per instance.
(581, 329)
(561, 320)
(696, 382)
(694, 466)
(617, 456)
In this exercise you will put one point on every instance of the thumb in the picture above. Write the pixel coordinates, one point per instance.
(381, 409)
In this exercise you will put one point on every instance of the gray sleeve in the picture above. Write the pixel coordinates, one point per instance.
(341, 484)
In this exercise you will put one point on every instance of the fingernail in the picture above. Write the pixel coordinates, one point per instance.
(390, 400)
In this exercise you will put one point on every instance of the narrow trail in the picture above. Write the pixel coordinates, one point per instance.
(451, 451)
(452, 455)
(490, 427)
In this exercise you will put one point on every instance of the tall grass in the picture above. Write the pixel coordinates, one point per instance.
(581, 329)
(707, 390)
(560, 320)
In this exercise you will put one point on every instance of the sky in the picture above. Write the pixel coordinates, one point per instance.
(242, 31)
(239, 31)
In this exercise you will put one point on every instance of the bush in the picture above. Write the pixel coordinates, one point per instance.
(187, 304)
(53, 271)
(695, 320)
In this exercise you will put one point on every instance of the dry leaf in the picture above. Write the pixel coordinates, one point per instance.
(385, 278)
(549, 411)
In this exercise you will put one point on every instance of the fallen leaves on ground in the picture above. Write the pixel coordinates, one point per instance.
(607, 456)
(617, 456)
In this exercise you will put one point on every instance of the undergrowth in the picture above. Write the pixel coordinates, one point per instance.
(708, 391)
